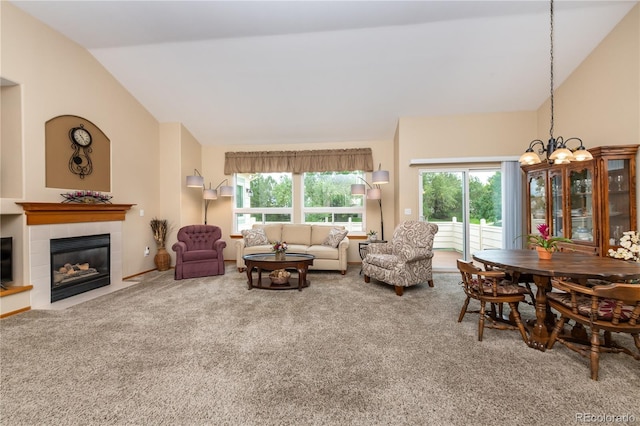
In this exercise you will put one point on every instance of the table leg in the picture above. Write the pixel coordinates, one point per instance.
(539, 336)
(302, 277)
(249, 276)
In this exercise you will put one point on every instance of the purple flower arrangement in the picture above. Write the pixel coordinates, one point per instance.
(280, 247)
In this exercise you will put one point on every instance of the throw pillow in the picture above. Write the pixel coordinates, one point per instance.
(254, 237)
(335, 236)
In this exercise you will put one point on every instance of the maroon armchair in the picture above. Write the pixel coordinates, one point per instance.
(199, 251)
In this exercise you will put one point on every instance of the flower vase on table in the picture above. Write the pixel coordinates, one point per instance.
(280, 249)
(544, 243)
(543, 254)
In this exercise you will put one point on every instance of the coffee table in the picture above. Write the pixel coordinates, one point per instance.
(267, 262)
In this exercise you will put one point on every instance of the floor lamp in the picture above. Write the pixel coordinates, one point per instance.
(197, 181)
(374, 192)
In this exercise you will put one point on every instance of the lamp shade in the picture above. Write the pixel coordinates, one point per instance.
(226, 191)
(380, 176)
(195, 181)
(358, 189)
(374, 194)
(529, 158)
(210, 194)
(561, 156)
(582, 154)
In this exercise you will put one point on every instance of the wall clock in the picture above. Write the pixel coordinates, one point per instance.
(80, 160)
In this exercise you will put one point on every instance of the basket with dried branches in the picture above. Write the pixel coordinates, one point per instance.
(160, 228)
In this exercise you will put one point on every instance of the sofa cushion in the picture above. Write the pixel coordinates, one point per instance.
(335, 236)
(297, 248)
(195, 255)
(319, 233)
(323, 252)
(274, 232)
(297, 234)
(254, 237)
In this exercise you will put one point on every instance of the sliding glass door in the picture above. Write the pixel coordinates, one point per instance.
(467, 206)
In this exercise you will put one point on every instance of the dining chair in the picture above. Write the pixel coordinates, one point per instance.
(492, 287)
(516, 278)
(611, 308)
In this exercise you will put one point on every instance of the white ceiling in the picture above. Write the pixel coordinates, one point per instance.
(257, 72)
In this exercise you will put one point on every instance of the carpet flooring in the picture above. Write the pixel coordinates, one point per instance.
(207, 351)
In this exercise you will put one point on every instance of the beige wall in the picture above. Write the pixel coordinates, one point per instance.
(460, 136)
(600, 101)
(11, 150)
(181, 153)
(191, 203)
(169, 178)
(58, 77)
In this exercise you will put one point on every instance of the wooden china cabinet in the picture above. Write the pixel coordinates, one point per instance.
(591, 202)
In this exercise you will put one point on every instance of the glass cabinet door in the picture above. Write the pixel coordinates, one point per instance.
(557, 226)
(581, 204)
(619, 207)
(537, 200)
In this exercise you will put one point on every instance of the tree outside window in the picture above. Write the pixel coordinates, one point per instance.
(326, 198)
(263, 198)
(442, 197)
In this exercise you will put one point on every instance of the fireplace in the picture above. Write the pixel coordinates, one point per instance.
(79, 264)
(46, 221)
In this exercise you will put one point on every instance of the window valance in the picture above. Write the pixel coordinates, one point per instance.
(323, 160)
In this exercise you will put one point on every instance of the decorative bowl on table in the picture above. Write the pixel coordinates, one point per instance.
(279, 276)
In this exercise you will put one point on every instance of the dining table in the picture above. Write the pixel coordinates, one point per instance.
(568, 265)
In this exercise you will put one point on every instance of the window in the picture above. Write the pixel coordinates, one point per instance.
(322, 197)
(327, 199)
(262, 198)
(467, 206)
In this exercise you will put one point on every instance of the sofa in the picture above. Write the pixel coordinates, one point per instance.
(327, 243)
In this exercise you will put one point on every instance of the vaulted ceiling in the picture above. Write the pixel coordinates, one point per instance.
(258, 72)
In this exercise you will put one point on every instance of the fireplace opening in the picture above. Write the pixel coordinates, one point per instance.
(79, 264)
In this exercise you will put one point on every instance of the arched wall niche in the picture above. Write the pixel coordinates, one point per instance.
(59, 150)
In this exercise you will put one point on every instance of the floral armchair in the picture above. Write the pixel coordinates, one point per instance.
(405, 260)
(199, 251)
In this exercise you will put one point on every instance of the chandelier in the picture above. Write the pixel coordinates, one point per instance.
(556, 149)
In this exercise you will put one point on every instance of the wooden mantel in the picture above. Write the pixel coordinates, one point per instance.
(50, 213)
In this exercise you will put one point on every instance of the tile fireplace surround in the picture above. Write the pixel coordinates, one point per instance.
(48, 221)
